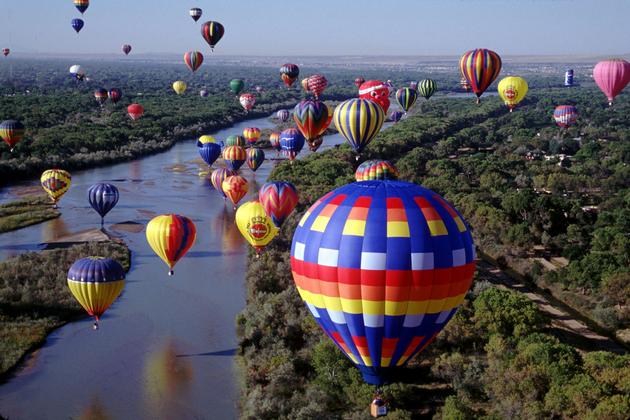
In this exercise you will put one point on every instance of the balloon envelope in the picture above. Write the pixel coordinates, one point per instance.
(372, 170)
(512, 90)
(234, 157)
(480, 67)
(291, 142)
(103, 197)
(255, 158)
(279, 199)
(56, 182)
(612, 76)
(11, 132)
(96, 283)
(212, 32)
(565, 115)
(209, 152)
(254, 224)
(358, 121)
(171, 236)
(382, 266)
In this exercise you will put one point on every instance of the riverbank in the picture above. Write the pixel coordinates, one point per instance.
(35, 299)
(26, 212)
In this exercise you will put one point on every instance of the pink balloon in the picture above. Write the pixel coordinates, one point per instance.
(612, 76)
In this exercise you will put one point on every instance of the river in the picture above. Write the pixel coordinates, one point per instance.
(166, 348)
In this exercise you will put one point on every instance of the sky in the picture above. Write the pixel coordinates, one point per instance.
(323, 27)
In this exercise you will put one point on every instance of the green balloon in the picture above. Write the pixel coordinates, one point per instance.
(236, 86)
(235, 141)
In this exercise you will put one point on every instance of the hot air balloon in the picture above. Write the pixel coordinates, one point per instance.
(56, 182)
(11, 132)
(317, 84)
(382, 267)
(406, 98)
(234, 157)
(82, 5)
(126, 49)
(135, 111)
(171, 236)
(77, 72)
(204, 93)
(103, 197)
(289, 73)
(179, 87)
(255, 226)
(274, 139)
(568, 78)
(375, 91)
(565, 115)
(205, 139)
(236, 86)
(255, 158)
(414, 85)
(6, 51)
(480, 67)
(279, 199)
(101, 96)
(193, 60)
(427, 88)
(212, 32)
(359, 81)
(395, 116)
(283, 115)
(235, 187)
(373, 170)
(77, 24)
(95, 283)
(195, 13)
(612, 76)
(358, 121)
(258, 89)
(312, 118)
(114, 95)
(218, 176)
(291, 142)
(247, 101)
(209, 152)
(512, 90)
(304, 84)
(251, 134)
(235, 141)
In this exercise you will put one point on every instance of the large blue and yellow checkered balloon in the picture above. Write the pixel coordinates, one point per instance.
(382, 266)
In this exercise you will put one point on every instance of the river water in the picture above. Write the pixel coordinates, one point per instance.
(165, 349)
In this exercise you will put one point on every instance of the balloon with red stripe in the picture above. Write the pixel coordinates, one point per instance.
(480, 68)
(218, 176)
(382, 266)
(171, 236)
(193, 60)
(255, 158)
(279, 199)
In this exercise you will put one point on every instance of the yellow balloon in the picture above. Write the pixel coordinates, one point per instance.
(207, 139)
(170, 237)
(512, 90)
(255, 226)
(179, 87)
(56, 182)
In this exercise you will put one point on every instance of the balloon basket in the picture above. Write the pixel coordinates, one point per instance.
(171, 272)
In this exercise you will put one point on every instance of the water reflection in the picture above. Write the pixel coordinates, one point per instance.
(168, 380)
(95, 411)
(55, 229)
(223, 222)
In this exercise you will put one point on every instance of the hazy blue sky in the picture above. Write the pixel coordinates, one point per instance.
(347, 27)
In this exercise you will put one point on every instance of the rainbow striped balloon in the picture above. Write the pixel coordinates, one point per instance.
(358, 121)
(372, 170)
(193, 60)
(480, 68)
(218, 176)
(234, 157)
(255, 158)
(382, 266)
(279, 199)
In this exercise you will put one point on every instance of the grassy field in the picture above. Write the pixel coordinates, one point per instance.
(35, 299)
(26, 212)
